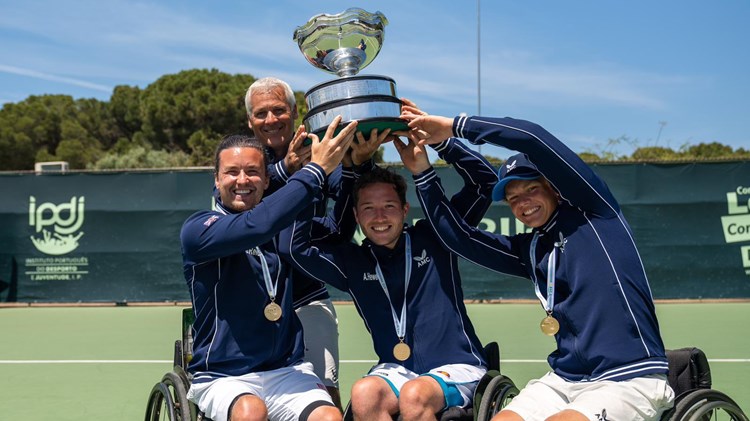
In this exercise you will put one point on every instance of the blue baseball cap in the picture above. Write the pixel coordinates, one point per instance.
(517, 167)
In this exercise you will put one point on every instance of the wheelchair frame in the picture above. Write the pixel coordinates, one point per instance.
(170, 394)
(689, 377)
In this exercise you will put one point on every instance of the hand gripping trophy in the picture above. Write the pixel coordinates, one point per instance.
(344, 44)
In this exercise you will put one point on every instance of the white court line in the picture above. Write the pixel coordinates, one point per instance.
(720, 360)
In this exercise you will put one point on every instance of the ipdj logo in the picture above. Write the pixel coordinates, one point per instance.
(55, 226)
(736, 225)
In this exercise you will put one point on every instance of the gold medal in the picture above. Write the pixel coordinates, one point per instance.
(550, 326)
(401, 351)
(272, 311)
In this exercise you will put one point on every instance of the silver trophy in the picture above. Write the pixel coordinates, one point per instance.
(344, 44)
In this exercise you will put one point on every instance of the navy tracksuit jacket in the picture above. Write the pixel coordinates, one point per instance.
(438, 329)
(225, 279)
(608, 325)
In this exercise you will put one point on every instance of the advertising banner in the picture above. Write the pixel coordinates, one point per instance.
(114, 236)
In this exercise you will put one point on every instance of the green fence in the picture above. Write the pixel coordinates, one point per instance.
(114, 236)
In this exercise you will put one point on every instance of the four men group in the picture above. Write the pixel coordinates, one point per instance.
(265, 335)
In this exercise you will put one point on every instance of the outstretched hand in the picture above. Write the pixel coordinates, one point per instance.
(362, 149)
(298, 153)
(426, 129)
(413, 154)
(329, 152)
(429, 129)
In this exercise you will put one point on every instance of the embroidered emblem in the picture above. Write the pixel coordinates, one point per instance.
(510, 166)
(561, 244)
(210, 220)
(423, 259)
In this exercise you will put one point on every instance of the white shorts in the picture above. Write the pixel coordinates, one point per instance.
(320, 328)
(287, 392)
(641, 398)
(458, 381)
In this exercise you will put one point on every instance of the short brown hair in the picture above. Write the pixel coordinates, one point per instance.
(381, 175)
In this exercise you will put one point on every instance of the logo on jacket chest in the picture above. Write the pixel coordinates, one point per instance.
(369, 277)
(422, 259)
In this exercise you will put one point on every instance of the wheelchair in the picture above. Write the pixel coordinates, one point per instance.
(168, 398)
(493, 391)
(690, 378)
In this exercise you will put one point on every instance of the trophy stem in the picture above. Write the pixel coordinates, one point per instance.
(345, 61)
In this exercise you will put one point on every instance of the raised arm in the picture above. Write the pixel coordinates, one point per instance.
(339, 224)
(496, 252)
(211, 235)
(317, 260)
(475, 197)
(576, 181)
(479, 176)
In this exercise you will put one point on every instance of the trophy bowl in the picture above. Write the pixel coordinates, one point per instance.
(343, 44)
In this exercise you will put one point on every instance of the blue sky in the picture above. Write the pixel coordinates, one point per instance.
(664, 73)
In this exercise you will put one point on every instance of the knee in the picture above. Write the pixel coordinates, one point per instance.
(248, 408)
(368, 389)
(325, 413)
(414, 393)
(420, 397)
(507, 415)
(369, 394)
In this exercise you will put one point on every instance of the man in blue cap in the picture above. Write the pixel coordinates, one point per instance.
(610, 362)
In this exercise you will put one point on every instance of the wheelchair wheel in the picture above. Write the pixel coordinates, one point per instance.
(705, 405)
(497, 395)
(168, 400)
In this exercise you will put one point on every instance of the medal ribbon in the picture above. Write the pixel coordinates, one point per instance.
(398, 322)
(548, 302)
(271, 287)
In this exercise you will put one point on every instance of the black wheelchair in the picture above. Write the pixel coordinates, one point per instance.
(689, 376)
(492, 393)
(695, 400)
(168, 398)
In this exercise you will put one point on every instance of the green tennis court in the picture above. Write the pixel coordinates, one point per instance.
(94, 363)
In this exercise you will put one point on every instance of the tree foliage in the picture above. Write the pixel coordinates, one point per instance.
(698, 152)
(179, 119)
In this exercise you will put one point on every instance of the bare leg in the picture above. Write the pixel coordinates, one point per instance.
(420, 399)
(373, 400)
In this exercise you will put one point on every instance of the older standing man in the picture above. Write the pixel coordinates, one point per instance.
(271, 112)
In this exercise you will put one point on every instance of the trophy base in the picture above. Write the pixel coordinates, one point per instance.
(369, 99)
(366, 125)
(367, 110)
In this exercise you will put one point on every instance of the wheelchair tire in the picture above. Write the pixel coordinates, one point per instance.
(168, 400)
(160, 404)
(500, 390)
(705, 404)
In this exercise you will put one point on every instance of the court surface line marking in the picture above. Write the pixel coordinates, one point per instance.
(718, 360)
